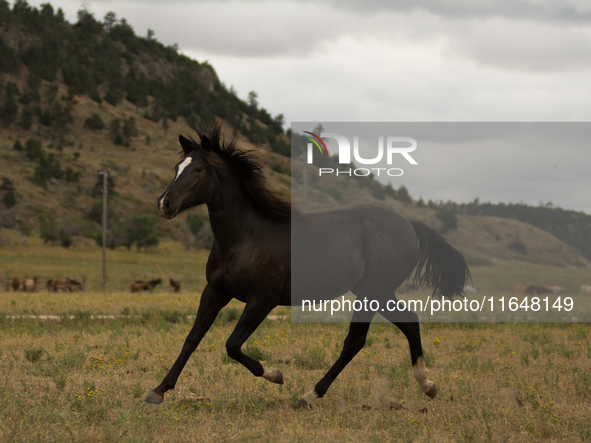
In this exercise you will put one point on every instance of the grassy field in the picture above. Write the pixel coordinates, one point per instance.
(23, 256)
(81, 379)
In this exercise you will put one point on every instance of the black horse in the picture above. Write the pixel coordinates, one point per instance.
(261, 245)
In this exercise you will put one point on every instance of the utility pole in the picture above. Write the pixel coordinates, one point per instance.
(104, 173)
(305, 187)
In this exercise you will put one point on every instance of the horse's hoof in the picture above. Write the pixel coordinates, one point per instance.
(154, 398)
(305, 403)
(432, 392)
(273, 375)
(308, 400)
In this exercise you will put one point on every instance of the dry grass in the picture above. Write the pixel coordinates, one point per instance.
(84, 380)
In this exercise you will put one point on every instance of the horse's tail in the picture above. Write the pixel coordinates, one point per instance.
(441, 266)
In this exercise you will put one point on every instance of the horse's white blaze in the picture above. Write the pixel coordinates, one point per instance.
(161, 203)
(419, 371)
(186, 162)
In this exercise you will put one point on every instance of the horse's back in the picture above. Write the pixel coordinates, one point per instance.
(360, 249)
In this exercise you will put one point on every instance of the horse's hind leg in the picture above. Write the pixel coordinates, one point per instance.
(209, 307)
(253, 315)
(408, 323)
(353, 344)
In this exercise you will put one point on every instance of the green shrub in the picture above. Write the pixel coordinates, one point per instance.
(33, 148)
(94, 122)
(313, 358)
(256, 353)
(335, 193)
(173, 316)
(34, 355)
(449, 219)
(228, 315)
(379, 192)
(389, 190)
(7, 184)
(9, 106)
(518, 246)
(112, 97)
(403, 195)
(9, 199)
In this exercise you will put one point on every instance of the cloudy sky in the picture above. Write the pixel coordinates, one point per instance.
(419, 61)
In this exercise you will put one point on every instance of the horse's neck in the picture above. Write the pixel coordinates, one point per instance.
(231, 214)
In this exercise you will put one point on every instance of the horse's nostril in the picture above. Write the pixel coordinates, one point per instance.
(166, 204)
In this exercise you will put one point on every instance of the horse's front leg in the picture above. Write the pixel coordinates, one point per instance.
(253, 315)
(209, 307)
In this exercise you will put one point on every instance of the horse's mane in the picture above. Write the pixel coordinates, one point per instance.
(248, 171)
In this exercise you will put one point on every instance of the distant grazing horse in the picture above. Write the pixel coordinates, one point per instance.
(537, 290)
(262, 245)
(73, 284)
(68, 285)
(54, 284)
(30, 284)
(585, 289)
(175, 285)
(15, 283)
(555, 289)
(519, 289)
(140, 285)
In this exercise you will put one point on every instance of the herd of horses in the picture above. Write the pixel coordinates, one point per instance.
(52, 285)
(68, 285)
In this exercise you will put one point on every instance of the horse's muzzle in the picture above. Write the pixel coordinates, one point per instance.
(164, 209)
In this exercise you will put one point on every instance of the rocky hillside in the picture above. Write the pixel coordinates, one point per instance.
(93, 96)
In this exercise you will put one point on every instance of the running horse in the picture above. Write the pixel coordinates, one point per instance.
(262, 244)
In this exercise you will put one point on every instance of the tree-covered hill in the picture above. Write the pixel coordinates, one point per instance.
(106, 61)
(76, 99)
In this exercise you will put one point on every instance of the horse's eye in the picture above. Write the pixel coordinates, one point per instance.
(198, 169)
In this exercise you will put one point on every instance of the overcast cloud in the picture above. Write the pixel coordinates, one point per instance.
(425, 61)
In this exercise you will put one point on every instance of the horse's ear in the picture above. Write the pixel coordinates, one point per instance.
(186, 144)
(205, 143)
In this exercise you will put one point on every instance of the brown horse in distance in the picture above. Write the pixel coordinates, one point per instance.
(140, 285)
(53, 284)
(175, 285)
